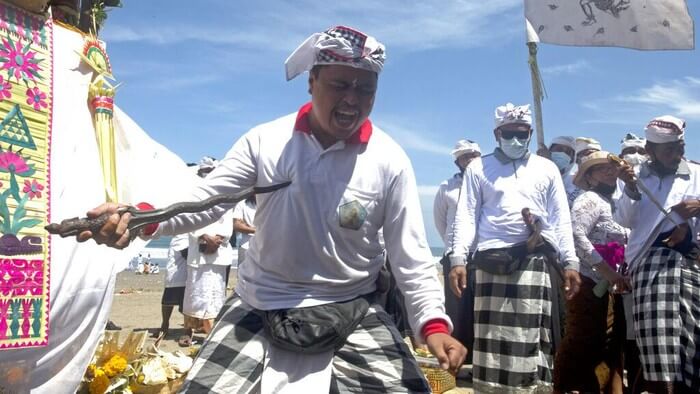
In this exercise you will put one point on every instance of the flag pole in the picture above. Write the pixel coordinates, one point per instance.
(538, 92)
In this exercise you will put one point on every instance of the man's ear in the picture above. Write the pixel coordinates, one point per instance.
(497, 134)
(311, 82)
(650, 151)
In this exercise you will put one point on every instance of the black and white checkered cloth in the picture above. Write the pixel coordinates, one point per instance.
(512, 330)
(375, 358)
(667, 317)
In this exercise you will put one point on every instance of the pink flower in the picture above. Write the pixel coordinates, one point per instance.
(33, 188)
(36, 98)
(18, 60)
(12, 162)
(5, 89)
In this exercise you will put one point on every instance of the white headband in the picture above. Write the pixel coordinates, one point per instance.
(564, 140)
(463, 147)
(632, 141)
(208, 163)
(509, 113)
(337, 45)
(665, 129)
(584, 143)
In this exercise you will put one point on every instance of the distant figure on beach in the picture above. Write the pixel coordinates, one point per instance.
(174, 280)
(316, 250)
(209, 254)
(139, 264)
(243, 216)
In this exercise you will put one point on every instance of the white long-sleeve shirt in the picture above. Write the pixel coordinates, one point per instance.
(445, 207)
(317, 240)
(223, 255)
(494, 192)
(645, 220)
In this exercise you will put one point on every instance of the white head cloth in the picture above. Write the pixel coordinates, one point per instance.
(565, 140)
(337, 45)
(665, 129)
(632, 141)
(463, 147)
(509, 113)
(207, 163)
(584, 143)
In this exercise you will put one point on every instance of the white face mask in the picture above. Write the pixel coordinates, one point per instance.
(514, 148)
(562, 160)
(635, 159)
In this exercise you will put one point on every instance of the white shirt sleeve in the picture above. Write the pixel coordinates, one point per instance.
(560, 217)
(411, 260)
(625, 207)
(440, 212)
(467, 217)
(235, 173)
(238, 211)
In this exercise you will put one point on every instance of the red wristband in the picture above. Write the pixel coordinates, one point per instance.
(148, 229)
(435, 326)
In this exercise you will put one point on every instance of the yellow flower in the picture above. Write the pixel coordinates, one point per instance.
(116, 365)
(141, 378)
(99, 383)
(91, 370)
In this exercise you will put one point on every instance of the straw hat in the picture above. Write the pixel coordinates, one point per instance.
(595, 158)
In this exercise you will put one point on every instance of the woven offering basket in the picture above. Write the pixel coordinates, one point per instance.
(166, 388)
(439, 379)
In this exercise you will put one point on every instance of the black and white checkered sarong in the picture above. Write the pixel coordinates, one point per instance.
(375, 358)
(667, 317)
(512, 330)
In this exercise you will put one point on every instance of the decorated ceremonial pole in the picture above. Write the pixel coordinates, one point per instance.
(101, 97)
(538, 91)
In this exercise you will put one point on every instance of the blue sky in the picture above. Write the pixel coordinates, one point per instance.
(197, 77)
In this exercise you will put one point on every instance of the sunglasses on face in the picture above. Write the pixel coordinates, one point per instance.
(519, 134)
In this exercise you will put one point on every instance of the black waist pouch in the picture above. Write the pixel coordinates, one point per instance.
(315, 329)
(505, 261)
(501, 261)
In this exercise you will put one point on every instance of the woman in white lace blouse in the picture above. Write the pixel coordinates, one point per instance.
(587, 361)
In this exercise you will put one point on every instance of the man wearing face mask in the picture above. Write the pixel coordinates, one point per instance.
(562, 152)
(513, 289)
(633, 151)
(663, 256)
(460, 310)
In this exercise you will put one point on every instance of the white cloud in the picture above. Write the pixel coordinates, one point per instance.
(562, 69)
(679, 97)
(401, 25)
(410, 139)
(682, 96)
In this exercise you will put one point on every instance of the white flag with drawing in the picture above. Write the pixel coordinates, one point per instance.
(639, 24)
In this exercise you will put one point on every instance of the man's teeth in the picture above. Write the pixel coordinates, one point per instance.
(347, 113)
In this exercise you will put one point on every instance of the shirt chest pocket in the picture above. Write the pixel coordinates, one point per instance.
(356, 210)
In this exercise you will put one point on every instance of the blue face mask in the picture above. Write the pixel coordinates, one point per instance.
(514, 148)
(562, 160)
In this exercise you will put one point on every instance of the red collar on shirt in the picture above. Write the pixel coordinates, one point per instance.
(361, 136)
